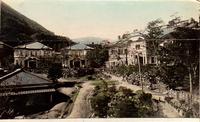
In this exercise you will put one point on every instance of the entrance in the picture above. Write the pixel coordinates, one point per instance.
(32, 64)
(77, 64)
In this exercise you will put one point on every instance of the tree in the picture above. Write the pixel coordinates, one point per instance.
(153, 36)
(98, 56)
(100, 104)
(123, 106)
(154, 29)
(122, 102)
(100, 100)
(180, 58)
(55, 72)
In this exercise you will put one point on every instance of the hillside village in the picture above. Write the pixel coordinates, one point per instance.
(155, 73)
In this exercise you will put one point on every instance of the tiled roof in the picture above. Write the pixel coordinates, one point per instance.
(23, 92)
(34, 45)
(20, 78)
(79, 46)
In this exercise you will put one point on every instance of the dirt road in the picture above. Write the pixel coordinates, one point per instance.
(81, 108)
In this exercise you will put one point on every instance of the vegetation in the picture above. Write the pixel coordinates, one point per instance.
(102, 83)
(180, 58)
(98, 56)
(154, 29)
(17, 29)
(107, 101)
(55, 72)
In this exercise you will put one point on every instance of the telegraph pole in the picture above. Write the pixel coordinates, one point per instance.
(140, 71)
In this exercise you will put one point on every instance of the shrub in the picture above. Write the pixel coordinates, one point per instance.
(55, 72)
(107, 101)
(100, 104)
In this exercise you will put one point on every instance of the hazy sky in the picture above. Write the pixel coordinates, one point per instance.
(106, 19)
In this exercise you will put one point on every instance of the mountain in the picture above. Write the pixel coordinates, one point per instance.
(18, 29)
(89, 40)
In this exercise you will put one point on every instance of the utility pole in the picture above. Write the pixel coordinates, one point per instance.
(126, 53)
(138, 60)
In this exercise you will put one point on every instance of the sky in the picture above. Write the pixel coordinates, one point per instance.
(102, 18)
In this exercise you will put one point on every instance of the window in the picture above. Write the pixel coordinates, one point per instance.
(17, 62)
(41, 53)
(112, 51)
(33, 53)
(36, 53)
(26, 53)
(152, 60)
(125, 51)
(83, 62)
(120, 51)
(137, 47)
(21, 53)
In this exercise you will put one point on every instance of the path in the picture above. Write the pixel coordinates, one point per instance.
(81, 108)
(166, 109)
(155, 95)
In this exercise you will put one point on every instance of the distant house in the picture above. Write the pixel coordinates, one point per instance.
(6, 52)
(75, 56)
(30, 55)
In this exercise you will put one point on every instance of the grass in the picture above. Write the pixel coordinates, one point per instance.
(100, 82)
(83, 78)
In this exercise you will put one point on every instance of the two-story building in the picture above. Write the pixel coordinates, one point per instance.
(118, 54)
(138, 51)
(129, 51)
(31, 54)
(75, 56)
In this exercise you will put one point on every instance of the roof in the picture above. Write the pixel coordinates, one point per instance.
(13, 93)
(168, 30)
(80, 46)
(2, 43)
(22, 78)
(33, 45)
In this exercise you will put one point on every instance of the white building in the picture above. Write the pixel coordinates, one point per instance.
(137, 49)
(29, 55)
(129, 51)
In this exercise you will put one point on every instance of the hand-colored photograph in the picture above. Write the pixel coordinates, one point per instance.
(69, 59)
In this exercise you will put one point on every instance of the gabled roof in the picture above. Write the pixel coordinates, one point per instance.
(33, 45)
(22, 78)
(2, 43)
(80, 46)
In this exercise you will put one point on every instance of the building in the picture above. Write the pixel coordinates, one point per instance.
(25, 93)
(75, 56)
(32, 54)
(118, 54)
(138, 51)
(6, 54)
(128, 51)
